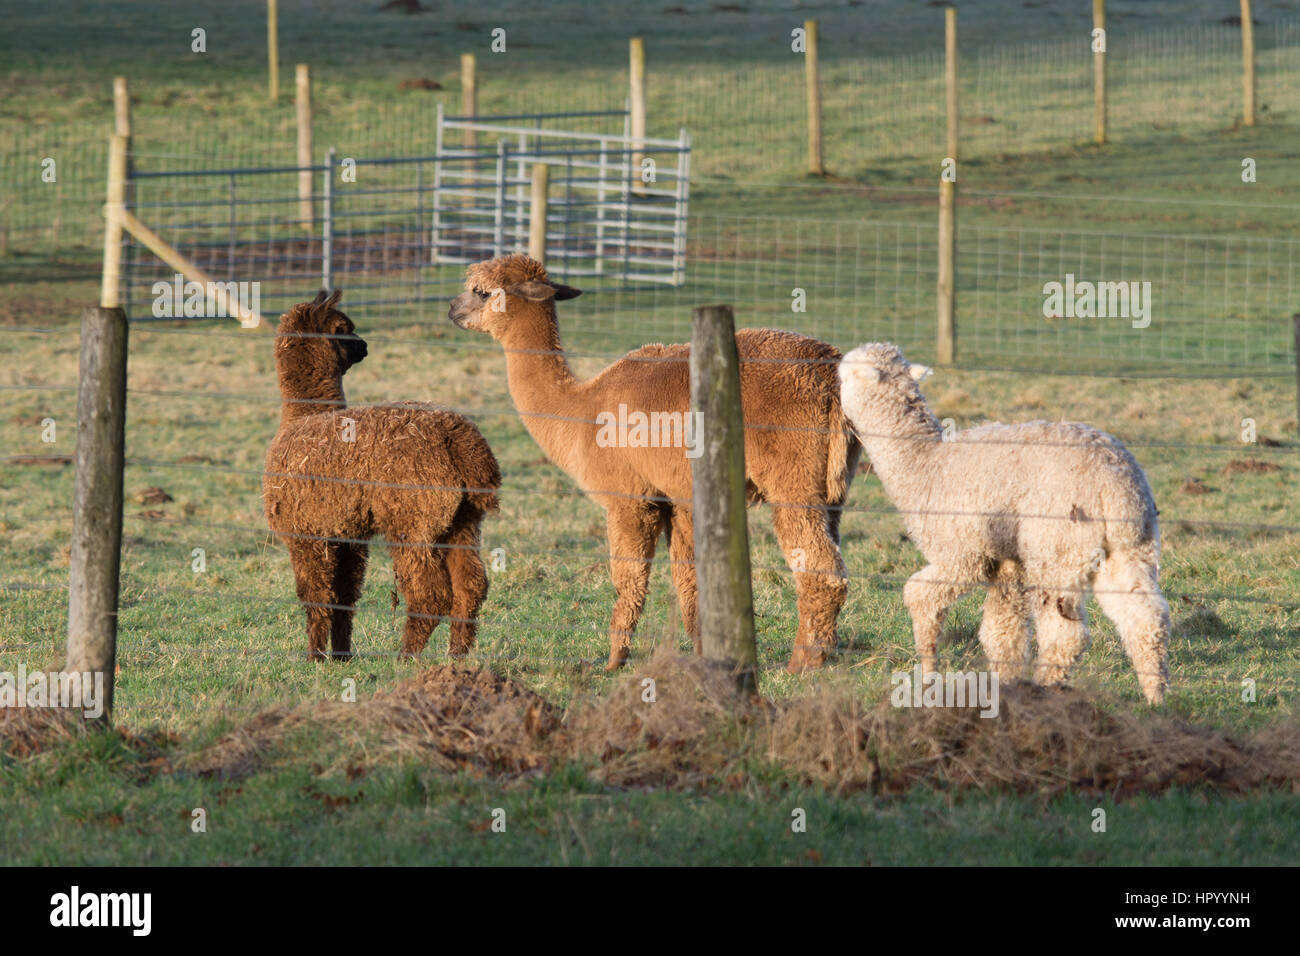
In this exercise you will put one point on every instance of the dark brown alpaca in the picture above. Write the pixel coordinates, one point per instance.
(800, 453)
(419, 476)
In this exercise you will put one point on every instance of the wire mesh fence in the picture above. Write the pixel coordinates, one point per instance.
(1049, 299)
(748, 121)
(207, 593)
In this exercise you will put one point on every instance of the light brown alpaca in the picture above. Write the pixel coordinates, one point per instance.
(799, 453)
(407, 472)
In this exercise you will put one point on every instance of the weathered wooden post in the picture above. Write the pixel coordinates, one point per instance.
(1248, 64)
(726, 603)
(469, 96)
(273, 50)
(636, 109)
(812, 83)
(537, 212)
(1099, 70)
(947, 281)
(96, 551)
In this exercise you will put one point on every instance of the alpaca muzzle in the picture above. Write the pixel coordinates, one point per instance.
(462, 309)
(354, 349)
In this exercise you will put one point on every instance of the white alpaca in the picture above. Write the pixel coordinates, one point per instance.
(1040, 512)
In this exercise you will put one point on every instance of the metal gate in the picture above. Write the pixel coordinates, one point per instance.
(617, 207)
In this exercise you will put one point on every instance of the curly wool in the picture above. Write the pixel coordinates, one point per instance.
(419, 476)
(1042, 512)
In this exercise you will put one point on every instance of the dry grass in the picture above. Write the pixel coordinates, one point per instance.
(697, 732)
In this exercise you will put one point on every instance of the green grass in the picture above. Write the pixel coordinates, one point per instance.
(104, 814)
(201, 652)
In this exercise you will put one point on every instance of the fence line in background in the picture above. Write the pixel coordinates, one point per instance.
(1019, 98)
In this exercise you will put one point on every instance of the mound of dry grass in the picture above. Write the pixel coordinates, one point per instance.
(25, 731)
(691, 728)
(457, 718)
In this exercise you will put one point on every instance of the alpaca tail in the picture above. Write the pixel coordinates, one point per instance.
(478, 467)
(842, 453)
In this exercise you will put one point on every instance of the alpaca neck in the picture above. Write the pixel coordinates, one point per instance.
(542, 385)
(311, 397)
(901, 445)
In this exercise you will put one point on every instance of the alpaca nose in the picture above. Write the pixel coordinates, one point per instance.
(459, 310)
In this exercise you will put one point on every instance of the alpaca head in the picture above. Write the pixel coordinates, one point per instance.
(877, 381)
(314, 345)
(506, 297)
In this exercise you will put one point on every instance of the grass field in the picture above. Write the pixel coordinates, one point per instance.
(202, 653)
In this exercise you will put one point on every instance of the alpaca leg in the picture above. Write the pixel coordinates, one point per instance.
(1004, 629)
(1128, 591)
(928, 594)
(820, 582)
(1061, 628)
(633, 531)
(681, 551)
(314, 564)
(469, 581)
(423, 580)
(349, 575)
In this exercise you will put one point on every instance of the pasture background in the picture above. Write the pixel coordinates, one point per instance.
(201, 653)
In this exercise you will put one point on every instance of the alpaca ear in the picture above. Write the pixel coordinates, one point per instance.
(324, 302)
(535, 291)
(864, 372)
(919, 373)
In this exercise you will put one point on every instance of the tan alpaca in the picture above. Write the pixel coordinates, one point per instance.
(420, 476)
(799, 453)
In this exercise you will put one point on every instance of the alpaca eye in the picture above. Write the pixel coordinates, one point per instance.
(482, 295)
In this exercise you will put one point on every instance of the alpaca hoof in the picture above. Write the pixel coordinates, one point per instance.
(615, 663)
(341, 657)
(318, 656)
(806, 659)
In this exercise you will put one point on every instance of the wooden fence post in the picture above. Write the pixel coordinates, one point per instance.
(812, 82)
(273, 49)
(122, 127)
(121, 107)
(110, 295)
(636, 110)
(947, 282)
(96, 550)
(537, 213)
(1248, 64)
(1099, 71)
(469, 96)
(302, 98)
(726, 603)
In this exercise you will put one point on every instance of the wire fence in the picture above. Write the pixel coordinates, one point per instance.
(1115, 301)
(209, 618)
(748, 120)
